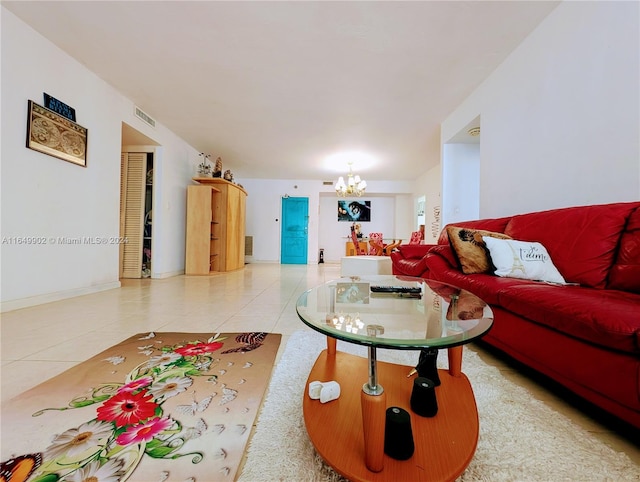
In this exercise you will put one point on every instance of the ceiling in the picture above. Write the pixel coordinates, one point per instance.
(276, 88)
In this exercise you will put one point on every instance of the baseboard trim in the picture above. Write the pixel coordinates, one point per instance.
(168, 274)
(12, 305)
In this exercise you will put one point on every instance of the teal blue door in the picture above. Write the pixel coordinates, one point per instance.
(293, 238)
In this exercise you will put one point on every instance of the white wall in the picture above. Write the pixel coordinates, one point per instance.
(560, 117)
(429, 185)
(460, 182)
(334, 233)
(45, 198)
(392, 214)
(405, 217)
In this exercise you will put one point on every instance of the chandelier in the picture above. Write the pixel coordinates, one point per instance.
(353, 187)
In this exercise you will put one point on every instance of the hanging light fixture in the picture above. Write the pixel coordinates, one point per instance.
(353, 187)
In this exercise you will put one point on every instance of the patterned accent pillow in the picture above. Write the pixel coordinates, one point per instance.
(523, 259)
(471, 250)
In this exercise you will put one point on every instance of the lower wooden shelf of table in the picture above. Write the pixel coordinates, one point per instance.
(444, 444)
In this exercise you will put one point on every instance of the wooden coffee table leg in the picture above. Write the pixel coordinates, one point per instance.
(331, 345)
(373, 400)
(455, 360)
(374, 409)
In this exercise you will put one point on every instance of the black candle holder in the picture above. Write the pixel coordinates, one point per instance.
(398, 436)
(428, 365)
(423, 397)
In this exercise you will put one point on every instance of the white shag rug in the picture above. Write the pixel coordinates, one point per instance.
(521, 439)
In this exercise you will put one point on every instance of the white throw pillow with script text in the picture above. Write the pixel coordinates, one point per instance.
(522, 259)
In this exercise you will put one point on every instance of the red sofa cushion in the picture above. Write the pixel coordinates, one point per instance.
(446, 253)
(442, 266)
(608, 378)
(414, 250)
(496, 225)
(625, 273)
(607, 318)
(581, 241)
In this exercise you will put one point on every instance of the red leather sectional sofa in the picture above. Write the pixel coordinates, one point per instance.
(586, 337)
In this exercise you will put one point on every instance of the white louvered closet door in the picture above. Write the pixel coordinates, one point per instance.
(132, 205)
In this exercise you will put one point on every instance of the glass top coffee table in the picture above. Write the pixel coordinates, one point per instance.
(414, 314)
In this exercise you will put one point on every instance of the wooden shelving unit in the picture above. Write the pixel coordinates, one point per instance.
(203, 238)
(215, 226)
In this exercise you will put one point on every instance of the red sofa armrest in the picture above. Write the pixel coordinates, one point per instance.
(443, 256)
(409, 260)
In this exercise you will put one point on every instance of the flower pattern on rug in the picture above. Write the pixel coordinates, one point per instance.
(130, 421)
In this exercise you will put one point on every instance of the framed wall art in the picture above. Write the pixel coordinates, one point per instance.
(56, 135)
(354, 211)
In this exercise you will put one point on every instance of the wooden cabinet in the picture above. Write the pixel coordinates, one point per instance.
(233, 228)
(350, 248)
(203, 230)
(215, 226)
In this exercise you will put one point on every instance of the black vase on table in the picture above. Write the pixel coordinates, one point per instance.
(427, 366)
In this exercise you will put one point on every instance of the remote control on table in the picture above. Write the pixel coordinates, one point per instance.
(395, 289)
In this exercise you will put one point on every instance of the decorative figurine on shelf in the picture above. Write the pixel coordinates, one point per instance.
(204, 168)
(217, 169)
(228, 175)
(356, 227)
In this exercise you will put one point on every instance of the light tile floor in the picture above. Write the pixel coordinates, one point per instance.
(42, 341)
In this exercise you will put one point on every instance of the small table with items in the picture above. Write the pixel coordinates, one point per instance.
(389, 245)
(400, 313)
(350, 247)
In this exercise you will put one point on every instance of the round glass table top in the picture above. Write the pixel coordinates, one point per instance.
(396, 312)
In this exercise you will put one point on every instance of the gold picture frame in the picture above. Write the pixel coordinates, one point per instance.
(55, 135)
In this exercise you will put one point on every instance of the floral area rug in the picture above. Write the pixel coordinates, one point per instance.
(156, 407)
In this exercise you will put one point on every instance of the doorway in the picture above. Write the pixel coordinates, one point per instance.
(461, 175)
(294, 232)
(137, 198)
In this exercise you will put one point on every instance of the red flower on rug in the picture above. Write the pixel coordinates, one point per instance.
(126, 408)
(198, 349)
(144, 432)
(134, 385)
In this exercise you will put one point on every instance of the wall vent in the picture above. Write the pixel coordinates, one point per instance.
(144, 117)
(327, 183)
(248, 245)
